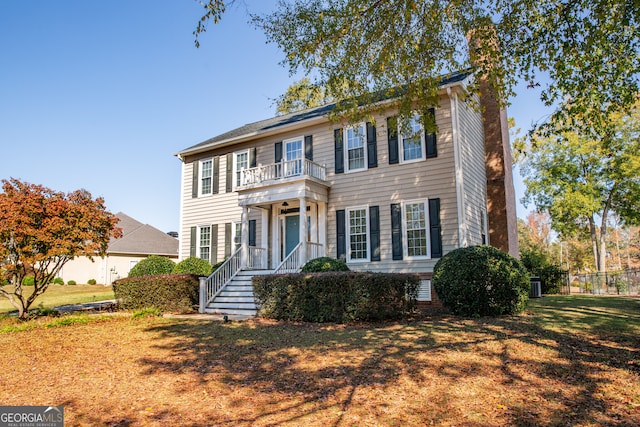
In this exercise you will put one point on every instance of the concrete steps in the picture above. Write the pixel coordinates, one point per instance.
(237, 296)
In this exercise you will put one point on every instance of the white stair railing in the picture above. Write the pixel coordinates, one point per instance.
(212, 285)
(257, 258)
(291, 264)
(314, 250)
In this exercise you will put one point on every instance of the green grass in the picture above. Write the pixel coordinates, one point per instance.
(57, 295)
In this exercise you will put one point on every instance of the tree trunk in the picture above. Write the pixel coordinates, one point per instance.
(594, 243)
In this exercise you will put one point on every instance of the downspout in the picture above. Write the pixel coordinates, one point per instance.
(459, 176)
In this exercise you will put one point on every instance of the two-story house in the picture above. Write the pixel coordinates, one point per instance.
(273, 194)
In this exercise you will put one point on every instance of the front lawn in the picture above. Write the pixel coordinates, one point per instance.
(569, 361)
(57, 295)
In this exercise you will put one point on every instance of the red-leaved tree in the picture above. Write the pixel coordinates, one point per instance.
(41, 230)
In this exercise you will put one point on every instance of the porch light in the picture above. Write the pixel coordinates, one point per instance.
(285, 204)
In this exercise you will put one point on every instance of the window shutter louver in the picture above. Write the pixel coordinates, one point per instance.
(193, 241)
(308, 147)
(278, 152)
(430, 140)
(252, 232)
(227, 240)
(214, 244)
(396, 231)
(341, 243)
(372, 146)
(229, 177)
(216, 175)
(194, 180)
(374, 233)
(252, 157)
(392, 137)
(436, 229)
(339, 150)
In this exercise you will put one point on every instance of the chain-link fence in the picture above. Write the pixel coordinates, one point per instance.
(625, 282)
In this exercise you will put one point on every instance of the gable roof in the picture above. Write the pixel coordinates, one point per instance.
(141, 239)
(277, 123)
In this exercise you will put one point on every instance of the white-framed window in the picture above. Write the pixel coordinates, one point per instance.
(355, 147)
(236, 232)
(412, 143)
(293, 149)
(204, 242)
(415, 214)
(206, 176)
(240, 162)
(357, 234)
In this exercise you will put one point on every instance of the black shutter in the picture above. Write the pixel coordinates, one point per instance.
(430, 140)
(229, 185)
(392, 137)
(374, 232)
(214, 244)
(436, 229)
(372, 146)
(278, 157)
(193, 241)
(341, 242)
(308, 147)
(396, 231)
(227, 240)
(252, 157)
(194, 181)
(216, 175)
(339, 150)
(252, 232)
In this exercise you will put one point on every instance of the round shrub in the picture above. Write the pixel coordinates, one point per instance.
(322, 264)
(481, 281)
(71, 282)
(28, 281)
(91, 282)
(152, 266)
(193, 265)
(58, 281)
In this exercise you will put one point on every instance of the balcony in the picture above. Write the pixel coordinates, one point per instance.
(285, 171)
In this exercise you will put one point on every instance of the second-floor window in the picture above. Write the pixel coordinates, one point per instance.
(240, 162)
(355, 147)
(293, 157)
(412, 141)
(206, 173)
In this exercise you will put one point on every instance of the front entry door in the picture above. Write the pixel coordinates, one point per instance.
(291, 233)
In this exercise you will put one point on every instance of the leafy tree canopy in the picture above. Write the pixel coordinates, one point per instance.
(42, 229)
(588, 49)
(301, 95)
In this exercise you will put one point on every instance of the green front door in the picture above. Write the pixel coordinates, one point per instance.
(291, 233)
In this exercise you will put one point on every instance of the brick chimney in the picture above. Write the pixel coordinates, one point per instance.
(501, 198)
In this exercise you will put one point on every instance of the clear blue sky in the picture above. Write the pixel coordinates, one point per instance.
(101, 94)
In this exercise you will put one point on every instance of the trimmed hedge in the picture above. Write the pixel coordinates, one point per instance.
(168, 293)
(481, 281)
(152, 265)
(336, 296)
(193, 265)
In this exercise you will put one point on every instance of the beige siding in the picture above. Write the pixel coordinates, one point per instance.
(473, 168)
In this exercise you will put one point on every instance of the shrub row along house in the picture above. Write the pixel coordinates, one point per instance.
(273, 194)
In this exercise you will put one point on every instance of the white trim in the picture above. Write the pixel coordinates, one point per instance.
(459, 175)
(181, 233)
(345, 144)
(348, 233)
(405, 239)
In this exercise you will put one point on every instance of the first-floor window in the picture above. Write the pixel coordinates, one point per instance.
(358, 235)
(416, 226)
(204, 246)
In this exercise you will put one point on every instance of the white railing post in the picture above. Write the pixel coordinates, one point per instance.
(203, 294)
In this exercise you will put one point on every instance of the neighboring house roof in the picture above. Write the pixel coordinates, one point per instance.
(278, 122)
(141, 239)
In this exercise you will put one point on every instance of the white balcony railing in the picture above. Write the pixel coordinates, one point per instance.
(284, 169)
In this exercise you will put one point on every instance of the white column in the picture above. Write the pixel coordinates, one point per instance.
(244, 237)
(322, 226)
(275, 237)
(303, 231)
(264, 241)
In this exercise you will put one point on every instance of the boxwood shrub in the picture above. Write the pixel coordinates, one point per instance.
(335, 296)
(168, 293)
(324, 264)
(481, 281)
(193, 265)
(152, 265)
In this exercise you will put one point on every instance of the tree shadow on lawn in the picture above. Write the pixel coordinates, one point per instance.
(308, 371)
